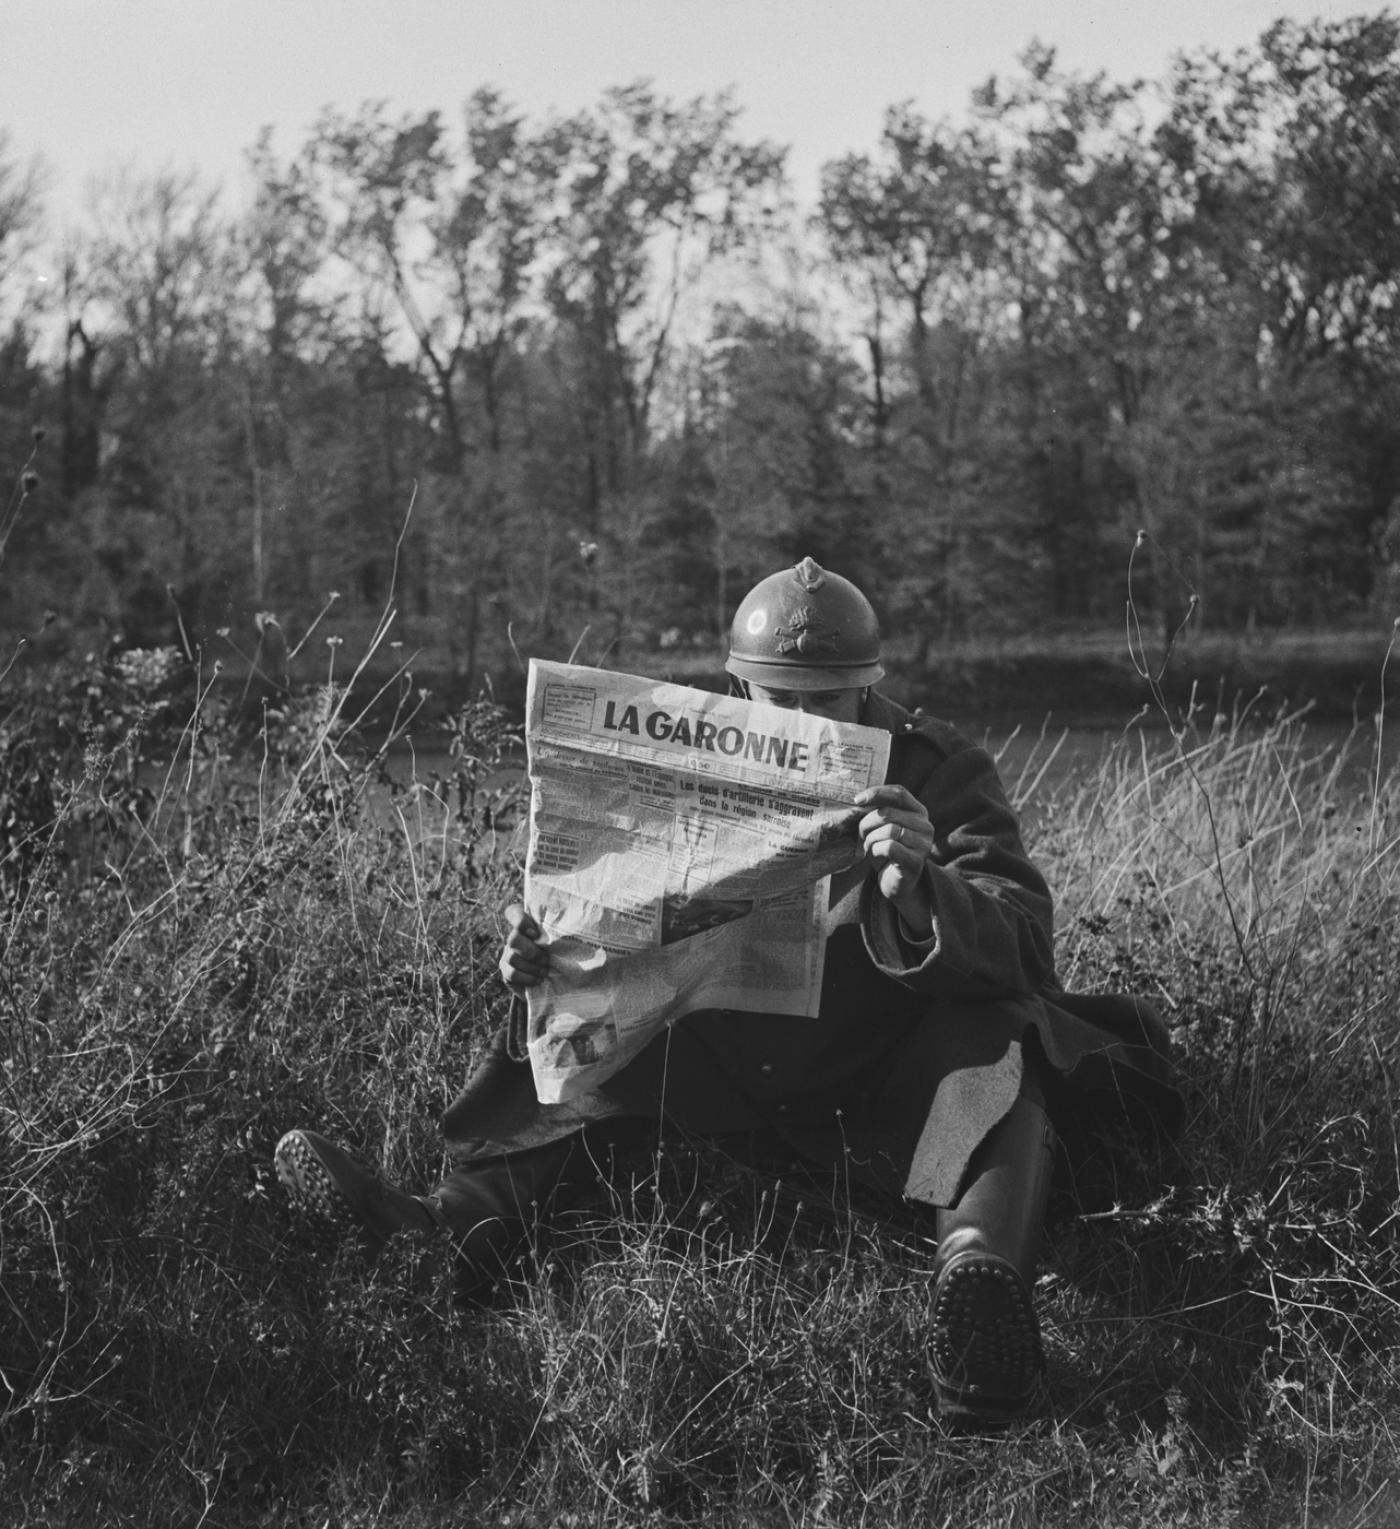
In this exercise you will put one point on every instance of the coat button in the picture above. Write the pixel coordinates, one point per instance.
(782, 1109)
(766, 1069)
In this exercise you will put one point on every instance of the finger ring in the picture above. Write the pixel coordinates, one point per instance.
(899, 832)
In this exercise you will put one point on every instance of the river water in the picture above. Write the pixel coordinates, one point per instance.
(1038, 764)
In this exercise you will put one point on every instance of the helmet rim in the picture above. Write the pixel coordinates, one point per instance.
(789, 674)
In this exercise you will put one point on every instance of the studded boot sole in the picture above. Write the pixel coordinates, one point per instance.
(985, 1340)
(309, 1185)
(329, 1186)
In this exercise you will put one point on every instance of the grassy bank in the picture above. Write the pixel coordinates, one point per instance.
(209, 938)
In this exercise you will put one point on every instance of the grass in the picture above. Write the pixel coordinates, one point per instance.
(210, 936)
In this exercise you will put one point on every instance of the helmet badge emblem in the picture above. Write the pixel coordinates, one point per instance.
(806, 634)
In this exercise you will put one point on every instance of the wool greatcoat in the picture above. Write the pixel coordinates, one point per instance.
(920, 1046)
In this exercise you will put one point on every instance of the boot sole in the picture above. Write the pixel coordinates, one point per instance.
(313, 1190)
(986, 1340)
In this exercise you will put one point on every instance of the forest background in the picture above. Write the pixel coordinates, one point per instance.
(524, 378)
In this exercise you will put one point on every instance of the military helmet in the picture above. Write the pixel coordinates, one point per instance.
(805, 629)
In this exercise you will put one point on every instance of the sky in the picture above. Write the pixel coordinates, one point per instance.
(148, 85)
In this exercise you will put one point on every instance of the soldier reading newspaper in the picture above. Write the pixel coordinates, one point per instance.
(809, 922)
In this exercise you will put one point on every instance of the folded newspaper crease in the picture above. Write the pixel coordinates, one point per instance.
(680, 846)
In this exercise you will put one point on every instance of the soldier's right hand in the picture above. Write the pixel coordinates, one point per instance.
(525, 959)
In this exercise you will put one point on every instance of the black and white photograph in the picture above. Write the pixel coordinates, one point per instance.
(1013, 390)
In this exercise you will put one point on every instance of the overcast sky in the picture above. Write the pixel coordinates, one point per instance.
(92, 84)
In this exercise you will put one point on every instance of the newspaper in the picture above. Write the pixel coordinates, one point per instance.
(680, 849)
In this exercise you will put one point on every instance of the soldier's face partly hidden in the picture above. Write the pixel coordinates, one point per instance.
(836, 705)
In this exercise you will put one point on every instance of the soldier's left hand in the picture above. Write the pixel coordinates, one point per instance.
(897, 837)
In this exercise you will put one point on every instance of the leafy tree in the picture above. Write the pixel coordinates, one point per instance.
(21, 220)
(24, 396)
(152, 295)
(968, 403)
(1291, 155)
(647, 194)
(923, 217)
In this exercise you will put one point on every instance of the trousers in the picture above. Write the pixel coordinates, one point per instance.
(494, 1206)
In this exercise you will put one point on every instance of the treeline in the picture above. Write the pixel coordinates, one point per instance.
(525, 377)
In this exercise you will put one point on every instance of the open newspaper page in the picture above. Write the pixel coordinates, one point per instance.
(680, 845)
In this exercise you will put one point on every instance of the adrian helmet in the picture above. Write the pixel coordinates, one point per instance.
(805, 629)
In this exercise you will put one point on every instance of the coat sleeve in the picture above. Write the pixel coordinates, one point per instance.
(992, 912)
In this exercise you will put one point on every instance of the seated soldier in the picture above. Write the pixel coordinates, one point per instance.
(941, 1048)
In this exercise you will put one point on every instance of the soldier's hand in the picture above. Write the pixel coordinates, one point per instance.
(897, 837)
(524, 958)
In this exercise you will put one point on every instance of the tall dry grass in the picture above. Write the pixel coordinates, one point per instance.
(213, 933)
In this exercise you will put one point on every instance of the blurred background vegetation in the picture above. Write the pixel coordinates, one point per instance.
(525, 377)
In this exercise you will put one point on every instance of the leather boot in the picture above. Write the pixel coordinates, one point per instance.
(986, 1340)
(329, 1185)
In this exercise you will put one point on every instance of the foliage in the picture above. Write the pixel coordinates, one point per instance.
(1000, 345)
